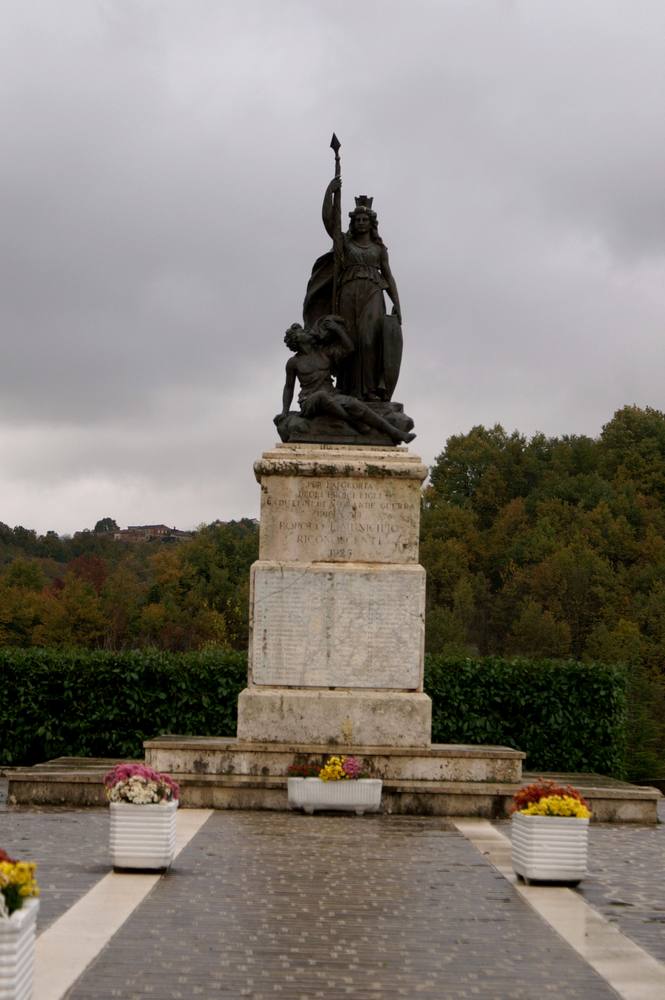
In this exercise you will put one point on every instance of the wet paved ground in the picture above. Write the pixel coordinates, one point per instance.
(627, 880)
(70, 848)
(282, 905)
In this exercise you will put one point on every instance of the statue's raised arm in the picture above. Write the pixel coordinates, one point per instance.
(328, 207)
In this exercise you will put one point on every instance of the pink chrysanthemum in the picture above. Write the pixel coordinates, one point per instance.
(351, 767)
(123, 772)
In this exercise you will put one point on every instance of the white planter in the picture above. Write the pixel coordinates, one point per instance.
(359, 795)
(549, 848)
(142, 836)
(17, 951)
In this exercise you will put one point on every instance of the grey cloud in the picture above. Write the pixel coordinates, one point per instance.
(160, 198)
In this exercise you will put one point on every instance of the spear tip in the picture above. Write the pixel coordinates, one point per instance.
(335, 143)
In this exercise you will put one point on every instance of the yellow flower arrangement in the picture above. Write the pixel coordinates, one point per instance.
(333, 770)
(557, 805)
(337, 767)
(17, 882)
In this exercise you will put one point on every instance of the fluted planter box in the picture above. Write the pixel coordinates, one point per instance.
(359, 795)
(549, 848)
(17, 952)
(142, 836)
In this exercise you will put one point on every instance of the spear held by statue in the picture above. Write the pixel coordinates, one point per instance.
(337, 215)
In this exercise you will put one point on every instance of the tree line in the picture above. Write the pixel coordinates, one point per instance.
(549, 546)
(92, 591)
(541, 546)
(555, 547)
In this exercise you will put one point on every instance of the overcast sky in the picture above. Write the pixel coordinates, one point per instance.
(162, 169)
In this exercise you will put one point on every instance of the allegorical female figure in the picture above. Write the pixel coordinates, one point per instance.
(351, 282)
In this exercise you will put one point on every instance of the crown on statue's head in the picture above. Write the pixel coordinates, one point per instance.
(364, 201)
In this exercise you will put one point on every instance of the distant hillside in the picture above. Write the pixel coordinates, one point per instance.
(96, 591)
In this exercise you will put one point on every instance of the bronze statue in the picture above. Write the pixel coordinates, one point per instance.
(350, 281)
(347, 336)
(316, 350)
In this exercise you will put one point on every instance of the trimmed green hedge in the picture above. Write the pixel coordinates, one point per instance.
(567, 716)
(97, 704)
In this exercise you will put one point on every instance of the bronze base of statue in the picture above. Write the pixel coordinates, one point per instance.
(293, 427)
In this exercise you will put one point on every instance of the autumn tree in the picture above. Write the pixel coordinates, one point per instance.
(558, 546)
(105, 524)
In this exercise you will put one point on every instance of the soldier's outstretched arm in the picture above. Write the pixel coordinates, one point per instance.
(289, 385)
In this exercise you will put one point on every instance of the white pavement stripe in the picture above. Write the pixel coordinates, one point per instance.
(68, 946)
(629, 969)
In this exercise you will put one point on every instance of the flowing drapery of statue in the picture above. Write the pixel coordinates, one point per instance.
(347, 354)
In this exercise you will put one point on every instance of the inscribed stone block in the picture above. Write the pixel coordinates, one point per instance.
(326, 625)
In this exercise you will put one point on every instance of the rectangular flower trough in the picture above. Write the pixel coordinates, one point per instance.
(142, 836)
(359, 795)
(17, 951)
(549, 848)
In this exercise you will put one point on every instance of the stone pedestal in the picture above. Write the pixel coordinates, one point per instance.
(337, 604)
(337, 615)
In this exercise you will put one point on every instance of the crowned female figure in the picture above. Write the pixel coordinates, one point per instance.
(350, 282)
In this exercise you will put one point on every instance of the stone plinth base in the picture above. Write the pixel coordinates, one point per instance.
(228, 756)
(223, 773)
(337, 601)
(330, 718)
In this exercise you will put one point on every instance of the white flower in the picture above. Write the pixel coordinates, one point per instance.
(139, 791)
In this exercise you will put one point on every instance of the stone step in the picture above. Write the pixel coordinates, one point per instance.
(436, 762)
(74, 782)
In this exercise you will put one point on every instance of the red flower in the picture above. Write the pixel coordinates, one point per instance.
(541, 789)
